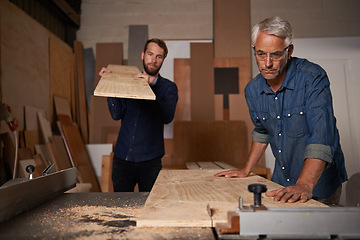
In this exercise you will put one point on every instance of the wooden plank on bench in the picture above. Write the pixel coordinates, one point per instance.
(179, 198)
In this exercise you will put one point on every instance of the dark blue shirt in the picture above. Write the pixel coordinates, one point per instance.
(141, 136)
(299, 123)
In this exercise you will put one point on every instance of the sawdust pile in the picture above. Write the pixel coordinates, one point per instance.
(91, 222)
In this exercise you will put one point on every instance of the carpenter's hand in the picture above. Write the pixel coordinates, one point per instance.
(103, 71)
(236, 173)
(144, 76)
(291, 194)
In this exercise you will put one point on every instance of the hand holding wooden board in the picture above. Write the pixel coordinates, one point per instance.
(122, 84)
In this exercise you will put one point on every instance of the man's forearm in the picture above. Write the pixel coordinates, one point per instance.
(311, 172)
(256, 152)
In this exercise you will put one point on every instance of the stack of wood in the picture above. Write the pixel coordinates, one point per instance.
(40, 147)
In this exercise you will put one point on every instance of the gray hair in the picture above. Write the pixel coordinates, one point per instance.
(274, 26)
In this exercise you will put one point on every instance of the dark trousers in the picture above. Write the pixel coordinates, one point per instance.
(126, 174)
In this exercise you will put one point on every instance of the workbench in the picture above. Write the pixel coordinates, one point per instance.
(92, 216)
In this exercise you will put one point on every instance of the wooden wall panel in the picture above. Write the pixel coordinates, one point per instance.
(224, 141)
(231, 28)
(138, 35)
(100, 121)
(24, 61)
(202, 81)
(219, 109)
(107, 53)
(62, 66)
(243, 64)
(239, 111)
(81, 110)
(182, 79)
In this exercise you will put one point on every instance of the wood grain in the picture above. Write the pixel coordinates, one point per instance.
(121, 83)
(179, 198)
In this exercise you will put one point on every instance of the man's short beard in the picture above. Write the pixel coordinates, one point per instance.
(151, 73)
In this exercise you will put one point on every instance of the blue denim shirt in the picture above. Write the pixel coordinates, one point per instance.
(141, 136)
(299, 123)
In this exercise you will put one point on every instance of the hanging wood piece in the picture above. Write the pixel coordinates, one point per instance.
(122, 84)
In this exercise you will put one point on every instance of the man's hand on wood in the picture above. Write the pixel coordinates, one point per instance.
(291, 194)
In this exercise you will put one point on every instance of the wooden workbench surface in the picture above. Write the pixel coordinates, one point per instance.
(91, 216)
(179, 198)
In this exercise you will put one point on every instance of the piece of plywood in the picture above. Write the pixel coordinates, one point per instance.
(179, 198)
(79, 156)
(121, 83)
(81, 110)
(62, 106)
(106, 173)
(58, 154)
(32, 137)
(202, 81)
(62, 75)
(89, 73)
(31, 121)
(182, 80)
(231, 28)
(45, 127)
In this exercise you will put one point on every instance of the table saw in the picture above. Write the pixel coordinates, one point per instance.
(184, 204)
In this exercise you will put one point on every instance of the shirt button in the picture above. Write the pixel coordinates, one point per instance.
(276, 98)
(289, 114)
(279, 150)
(288, 180)
(279, 134)
(301, 113)
(112, 104)
(278, 117)
(264, 119)
(283, 168)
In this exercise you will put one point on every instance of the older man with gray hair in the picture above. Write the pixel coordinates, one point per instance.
(290, 104)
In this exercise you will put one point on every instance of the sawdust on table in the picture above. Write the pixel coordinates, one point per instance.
(100, 222)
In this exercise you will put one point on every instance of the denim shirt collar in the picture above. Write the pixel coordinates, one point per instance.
(288, 83)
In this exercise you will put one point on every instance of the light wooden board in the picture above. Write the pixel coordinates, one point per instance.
(81, 110)
(179, 198)
(106, 171)
(79, 155)
(121, 83)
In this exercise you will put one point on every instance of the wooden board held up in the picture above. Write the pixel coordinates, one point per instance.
(121, 83)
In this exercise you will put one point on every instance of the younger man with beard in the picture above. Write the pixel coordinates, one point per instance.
(140, 144)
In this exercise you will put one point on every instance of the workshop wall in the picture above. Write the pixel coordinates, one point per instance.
(108, 21)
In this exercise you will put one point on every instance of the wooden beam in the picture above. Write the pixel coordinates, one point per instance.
(69, 11)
